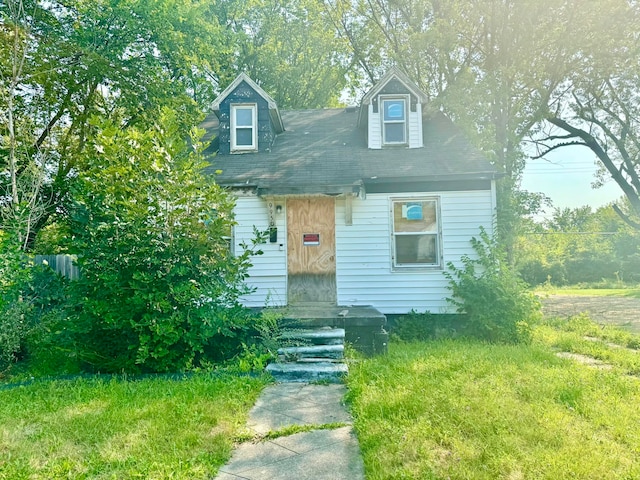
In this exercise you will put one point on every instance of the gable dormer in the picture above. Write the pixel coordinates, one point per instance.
(391, 112)
(249, 118)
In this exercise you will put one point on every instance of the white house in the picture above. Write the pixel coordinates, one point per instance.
(365, 206)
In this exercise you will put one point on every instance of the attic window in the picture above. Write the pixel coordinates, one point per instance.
(244, 132)
(394, 121)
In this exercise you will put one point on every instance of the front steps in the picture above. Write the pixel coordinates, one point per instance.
(313, 346)
(308, 372)
(317, 354)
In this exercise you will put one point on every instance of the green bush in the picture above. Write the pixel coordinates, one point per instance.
(496, 303)
(30, 297)
(630, 268)
(15, 273)
(591, 267)
(537, 272)
(160, 286)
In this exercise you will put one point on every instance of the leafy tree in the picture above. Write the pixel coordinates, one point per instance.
(579, 245)
(598, 105)
(571, 219)
(64, 62)
(292, 48)
(159, 283)
(21, 205)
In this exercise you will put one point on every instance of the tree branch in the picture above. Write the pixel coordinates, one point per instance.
(626, 217)
(551, 148)
(595, 147)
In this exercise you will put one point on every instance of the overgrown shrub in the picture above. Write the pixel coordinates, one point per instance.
(496, 303)
(591, 267)
(30, 296)
(15, 272)
(160, 286)
(630, 268)
(537, 272)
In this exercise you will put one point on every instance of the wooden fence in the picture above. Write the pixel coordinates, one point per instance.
(61, 264)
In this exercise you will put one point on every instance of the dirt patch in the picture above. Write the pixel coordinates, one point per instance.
(622, 312)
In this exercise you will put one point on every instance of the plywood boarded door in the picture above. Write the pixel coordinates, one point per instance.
(311, 250)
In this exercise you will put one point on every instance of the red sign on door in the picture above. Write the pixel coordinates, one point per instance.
(311, 239)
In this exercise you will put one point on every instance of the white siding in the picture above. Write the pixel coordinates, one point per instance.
(415, 127)
(374, 133)
(269, 271)
(363, 252)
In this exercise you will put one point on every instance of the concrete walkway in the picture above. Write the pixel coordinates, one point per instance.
(331, 453)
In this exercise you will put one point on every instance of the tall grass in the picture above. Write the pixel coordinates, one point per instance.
(469, 410)
(115, 429)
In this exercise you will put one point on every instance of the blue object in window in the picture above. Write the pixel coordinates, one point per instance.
(414, 211)
(394, 110)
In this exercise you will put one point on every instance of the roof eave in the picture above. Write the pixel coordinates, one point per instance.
(437, 178)
(274, 112)
(403, 78)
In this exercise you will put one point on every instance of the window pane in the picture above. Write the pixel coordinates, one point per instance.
(244, 117)
(244, 137)
(412, 216)
(393, 110)
(416, 249)
(394, 133)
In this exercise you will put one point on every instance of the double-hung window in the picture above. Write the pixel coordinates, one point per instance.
(394, 120)
(244, 131)
(416, 232)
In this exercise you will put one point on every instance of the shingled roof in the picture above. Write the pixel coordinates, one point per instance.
(323, 151)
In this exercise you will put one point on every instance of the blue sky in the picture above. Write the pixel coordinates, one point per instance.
(566, 177)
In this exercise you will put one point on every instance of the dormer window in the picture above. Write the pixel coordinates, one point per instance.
(244, 131)
(394, 120)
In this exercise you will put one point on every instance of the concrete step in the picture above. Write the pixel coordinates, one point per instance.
(283, 359)
(316, 351)
(319, 336)
(307, 372)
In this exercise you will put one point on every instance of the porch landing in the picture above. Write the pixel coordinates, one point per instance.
(363, 325)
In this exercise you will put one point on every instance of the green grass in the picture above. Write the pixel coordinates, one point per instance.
(468, 410)
(633, 292)
(580, 335)
(118, 429)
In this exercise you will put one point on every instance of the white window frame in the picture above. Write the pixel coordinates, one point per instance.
(437, 233)
(254, 127)
(381, 102)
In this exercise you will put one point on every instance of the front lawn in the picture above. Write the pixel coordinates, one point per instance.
(156, 428)
(468, 410)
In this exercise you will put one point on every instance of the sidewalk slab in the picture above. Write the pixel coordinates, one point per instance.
(286, 404)
(330, 454)
(320, 454)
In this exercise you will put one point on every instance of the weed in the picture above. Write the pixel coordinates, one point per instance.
(293, 429)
